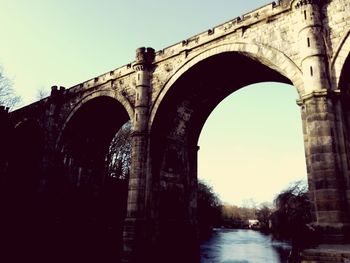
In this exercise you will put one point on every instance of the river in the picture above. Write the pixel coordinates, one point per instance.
(242, 246)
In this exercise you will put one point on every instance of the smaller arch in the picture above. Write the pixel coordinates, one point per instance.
(26, 121)
(82, 148)
(27, 133)
(102, 93)
(29, 127)
(80, 169)
(26, 153)
(340, 55)
(270, 57)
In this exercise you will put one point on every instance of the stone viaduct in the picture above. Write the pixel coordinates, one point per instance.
(168, 96)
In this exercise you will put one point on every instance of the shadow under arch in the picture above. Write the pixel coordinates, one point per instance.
(344, 86)
(340, 59)
(101, 93)
(175, 130)
(90, 206)
(344, 79)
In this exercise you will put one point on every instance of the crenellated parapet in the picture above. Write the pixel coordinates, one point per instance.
(144, 59)
(55, 91)
(302, 3)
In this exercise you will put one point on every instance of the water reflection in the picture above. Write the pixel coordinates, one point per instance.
(242, 246)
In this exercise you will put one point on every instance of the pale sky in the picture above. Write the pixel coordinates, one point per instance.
(251, 145)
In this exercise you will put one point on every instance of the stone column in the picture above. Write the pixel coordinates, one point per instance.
(322, 125)
(52, 164)
(135, 224)
(311, 45)
(324, 165)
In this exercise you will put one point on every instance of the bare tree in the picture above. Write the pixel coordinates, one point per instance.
(292, 218)
(119, 155)
(8, 97)
(42, 93)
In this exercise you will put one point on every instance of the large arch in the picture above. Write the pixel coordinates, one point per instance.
(267, 56)
(176, 124)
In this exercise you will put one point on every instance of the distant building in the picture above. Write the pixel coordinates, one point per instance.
(253, 223)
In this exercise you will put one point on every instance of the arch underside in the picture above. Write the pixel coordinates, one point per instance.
(340, 59)
(344, 86)
(87, 194)
(91, 129)
(190, 100)
(124, 107)
(177, 125)
(264, 56)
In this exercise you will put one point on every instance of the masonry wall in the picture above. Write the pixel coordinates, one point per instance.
(274, 26)
(276, 35)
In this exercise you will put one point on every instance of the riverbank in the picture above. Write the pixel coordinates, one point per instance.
(329, 253)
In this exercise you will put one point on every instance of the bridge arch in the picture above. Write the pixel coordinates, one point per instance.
(338, 61)
(344, 87)
(100, 93)
(267, 56)
(176, 122)
(92, 123)
(87, 192)
(26, 151)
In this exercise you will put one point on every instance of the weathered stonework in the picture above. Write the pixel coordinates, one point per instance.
(168, 95)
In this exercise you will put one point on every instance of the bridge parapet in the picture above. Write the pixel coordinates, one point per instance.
(264, 14)
(304, 43)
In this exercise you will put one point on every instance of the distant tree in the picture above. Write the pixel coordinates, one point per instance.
(42, 93)
(119, 155)
(293, 216)
(8, 97)
(118, 161)
(233, 212)
(249, 203)
(247, 213)
(208, 208)
(263, 213)
(8, 100)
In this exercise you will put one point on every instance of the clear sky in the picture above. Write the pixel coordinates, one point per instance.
(251, 147)
(254, 135)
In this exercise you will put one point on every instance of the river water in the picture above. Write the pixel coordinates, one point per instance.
(242, 246)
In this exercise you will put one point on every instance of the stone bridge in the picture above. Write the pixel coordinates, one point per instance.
(168, 95)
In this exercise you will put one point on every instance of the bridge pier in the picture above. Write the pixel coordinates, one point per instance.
(134, 234)
(324, 165)
(322, 127)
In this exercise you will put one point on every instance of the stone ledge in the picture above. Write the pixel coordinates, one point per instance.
(327, 254)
